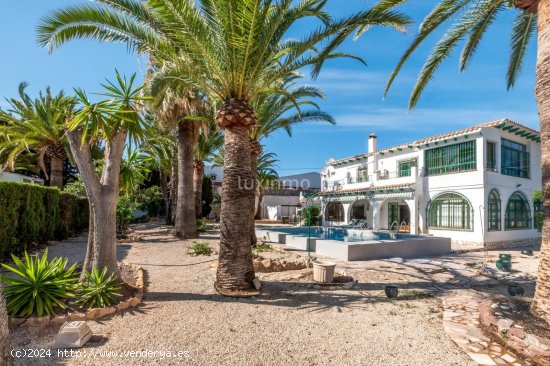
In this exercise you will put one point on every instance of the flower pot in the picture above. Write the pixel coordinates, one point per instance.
(323, 271)
(516, 290)
(504, 266)
(505, 257)
(527, 252)
(391, 291)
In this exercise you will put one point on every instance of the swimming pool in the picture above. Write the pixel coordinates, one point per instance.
(355, 244)
(339, 234)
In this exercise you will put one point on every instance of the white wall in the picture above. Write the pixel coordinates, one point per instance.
(15, 177)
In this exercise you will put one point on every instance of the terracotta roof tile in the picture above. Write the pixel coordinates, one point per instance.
(426, 140)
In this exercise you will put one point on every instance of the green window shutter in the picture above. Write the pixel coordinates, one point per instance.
(451, 159)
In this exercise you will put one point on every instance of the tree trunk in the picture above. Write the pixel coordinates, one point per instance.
(86, 266)
(174, 190)
(541, 300)
(255, 152)
(260, 199)
(56, 174)
(198, 175)
(5, 343)
(186, 221)
(235, 270)
(165, 197)
(103, 195)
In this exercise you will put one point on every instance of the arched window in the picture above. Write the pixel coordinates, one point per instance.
(450, 211)
(335, 212)
(518, 212)
(493, 211)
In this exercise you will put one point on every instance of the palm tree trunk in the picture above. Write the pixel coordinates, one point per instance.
(5, 343)
(165, 197)
(253, 168)
(235, 270)
(260, 199)
(186, 221)
(56, 174)
(174, 190)
(541, 300)
(198, 175)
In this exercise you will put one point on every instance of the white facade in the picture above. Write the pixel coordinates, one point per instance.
(16, 177)
(445, 189)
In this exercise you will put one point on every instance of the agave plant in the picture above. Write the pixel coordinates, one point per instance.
(39, 285)
(98, 290)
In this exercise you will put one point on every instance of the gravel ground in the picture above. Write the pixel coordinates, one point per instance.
(289, 324)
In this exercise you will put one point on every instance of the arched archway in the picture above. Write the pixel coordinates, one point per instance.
(518, 212)
(334, 211)
(359, 210)
(450, 211)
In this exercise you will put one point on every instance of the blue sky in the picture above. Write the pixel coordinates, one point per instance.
(355, 92)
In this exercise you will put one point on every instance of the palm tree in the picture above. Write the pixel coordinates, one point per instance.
(37, 126)
(112, 121)
(470, 21)
(266, 176)
(233, 50)
(160, 146)
(210, 140)
(133, 170)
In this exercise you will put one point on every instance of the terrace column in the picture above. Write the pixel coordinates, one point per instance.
(411, 203)
(375, 214)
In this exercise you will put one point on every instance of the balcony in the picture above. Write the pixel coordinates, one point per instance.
(355, 182)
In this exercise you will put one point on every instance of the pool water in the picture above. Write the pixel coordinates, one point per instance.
(339, 234)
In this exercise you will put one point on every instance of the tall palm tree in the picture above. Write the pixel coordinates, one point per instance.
(470, 20)
(233, 50)
(210, 140)
(37, 126)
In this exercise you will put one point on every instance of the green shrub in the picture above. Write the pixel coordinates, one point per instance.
(98, 290)
(202, 226)
(125, 209)
(35, 214)
(150, 200)
(199, 248)
(38, 286)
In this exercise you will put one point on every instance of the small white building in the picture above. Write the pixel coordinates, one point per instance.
(20, 178)
(473, 185)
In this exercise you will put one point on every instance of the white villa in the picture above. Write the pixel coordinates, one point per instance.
(473, 185)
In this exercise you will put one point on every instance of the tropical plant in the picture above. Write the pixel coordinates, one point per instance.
(202, 49)
(98, 290)
(470, 21)
(113, 121)
(133, 170)
(39, 286)
(199, 248)
(36, 126)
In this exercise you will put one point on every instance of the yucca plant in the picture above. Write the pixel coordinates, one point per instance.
(98, 289)
(39, 286)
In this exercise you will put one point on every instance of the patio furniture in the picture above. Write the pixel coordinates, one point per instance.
(350, 224)
(362, 224)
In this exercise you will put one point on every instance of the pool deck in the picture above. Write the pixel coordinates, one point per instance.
(408, 247)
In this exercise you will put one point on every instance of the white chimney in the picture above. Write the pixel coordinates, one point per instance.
(372, 143)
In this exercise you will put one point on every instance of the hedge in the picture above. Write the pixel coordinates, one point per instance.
(35, 214)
